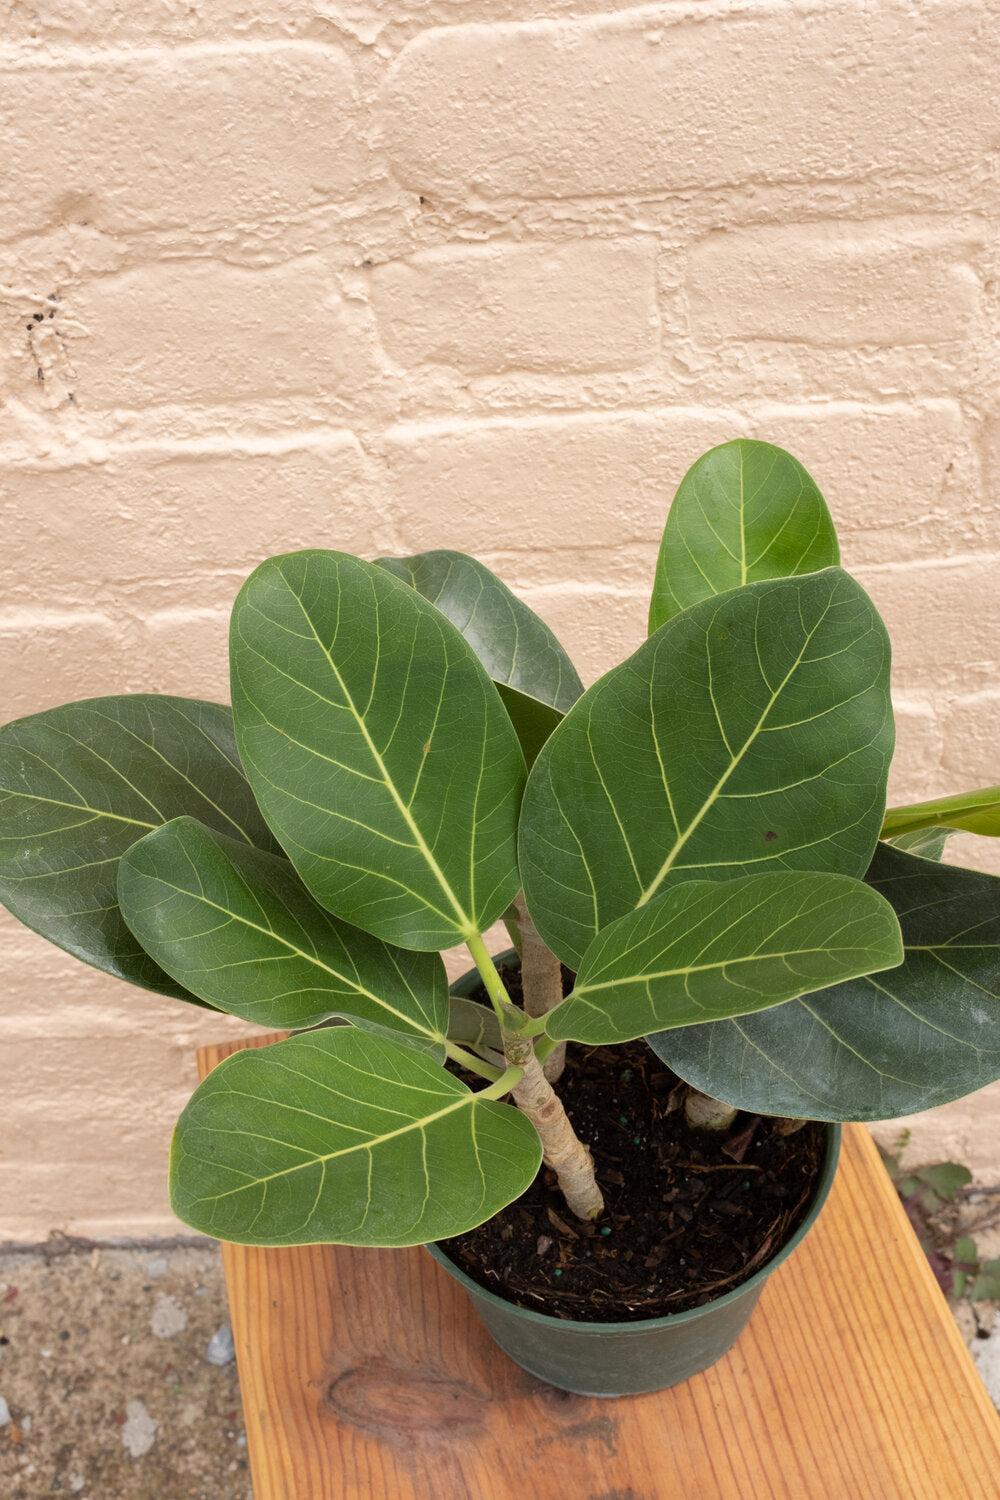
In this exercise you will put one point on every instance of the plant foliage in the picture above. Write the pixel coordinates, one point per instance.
(409, 747)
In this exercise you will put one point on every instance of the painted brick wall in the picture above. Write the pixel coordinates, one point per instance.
(417, 273)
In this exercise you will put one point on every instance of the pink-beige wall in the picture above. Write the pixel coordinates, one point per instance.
(390, 276)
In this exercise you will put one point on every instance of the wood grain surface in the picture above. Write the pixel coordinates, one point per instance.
(365, 1373)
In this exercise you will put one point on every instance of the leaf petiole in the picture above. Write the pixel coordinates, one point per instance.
(473, 1063)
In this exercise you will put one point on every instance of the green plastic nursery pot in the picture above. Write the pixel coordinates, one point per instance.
(625, 1359)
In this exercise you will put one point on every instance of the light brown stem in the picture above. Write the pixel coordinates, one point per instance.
(541, 982)
(562, 1149)
(785, 1125)
(702, 1112)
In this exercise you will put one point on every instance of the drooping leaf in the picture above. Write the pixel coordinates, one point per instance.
(751, 733)
(80, 784)
(872, 1049)
(345, 1137)
(474, 1025)
(929, 843)
(377, 747)
(970, 812)
(237, 927)
(536, 679)
(744, 512)
(710, 949)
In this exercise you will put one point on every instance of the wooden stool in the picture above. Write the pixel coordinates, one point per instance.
(365, 1373)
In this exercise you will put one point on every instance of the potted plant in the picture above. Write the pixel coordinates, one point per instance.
(687, 853)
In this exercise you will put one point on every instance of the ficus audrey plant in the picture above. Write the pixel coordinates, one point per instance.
(410, 757)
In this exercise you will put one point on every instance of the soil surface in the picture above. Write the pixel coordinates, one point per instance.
(105, 1389)
(688, 1215)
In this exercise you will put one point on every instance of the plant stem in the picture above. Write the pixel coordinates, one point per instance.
(474, 1064)
(534, 1095)
(562, 1148)
(702, 1112)
(509, 920)
(541, 982)
(489, 974)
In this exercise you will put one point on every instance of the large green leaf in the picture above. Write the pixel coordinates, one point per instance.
(753, 732)
(378, 748)
(238, 928)
(872, 1049)
(79, 784)
(345, 1137)
(969, 812)
(711, 949)
(536, 679)
(745, 511)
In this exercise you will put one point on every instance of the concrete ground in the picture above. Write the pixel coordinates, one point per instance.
(104, 1380)
(107, 1390)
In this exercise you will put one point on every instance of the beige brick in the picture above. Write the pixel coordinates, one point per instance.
(916, 772)
(582, 305)
(971, 733)
(599, 627)
(206, 331)
(202, 137)
(555, 482)
(900, 478)
(653, 102)
(976, 853)
(187, 652)
(832, 284)
(53, 656)
(186, 510)
(943, 623)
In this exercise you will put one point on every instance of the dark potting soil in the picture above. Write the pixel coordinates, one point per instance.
(687, 1218)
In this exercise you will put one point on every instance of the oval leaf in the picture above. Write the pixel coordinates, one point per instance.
(344, 1137)
(378, 748)
(751, 733)
(709, 949)
(969, 812)
(238, 928)
(872, 1049)
(80, 784)
(745, 511)
(537, 680)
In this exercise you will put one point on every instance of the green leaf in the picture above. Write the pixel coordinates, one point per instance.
(744, 512)
(377, 747)
(237, 927)
(958, 1283)
(474, 1025)
(929, 843)
(751, 733)
(872, 1049)
(344, 1137)
(985, 1289)
(971, 812)
(80, 784)
(709, 949)
(945, 1177)
(965, 1252)
(536, 679)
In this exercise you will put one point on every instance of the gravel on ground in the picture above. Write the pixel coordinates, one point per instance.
(105, 1382)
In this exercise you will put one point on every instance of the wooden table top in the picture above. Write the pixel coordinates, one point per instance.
(365, 1373)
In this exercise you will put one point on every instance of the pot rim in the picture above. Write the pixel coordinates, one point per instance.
(824, 1183)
